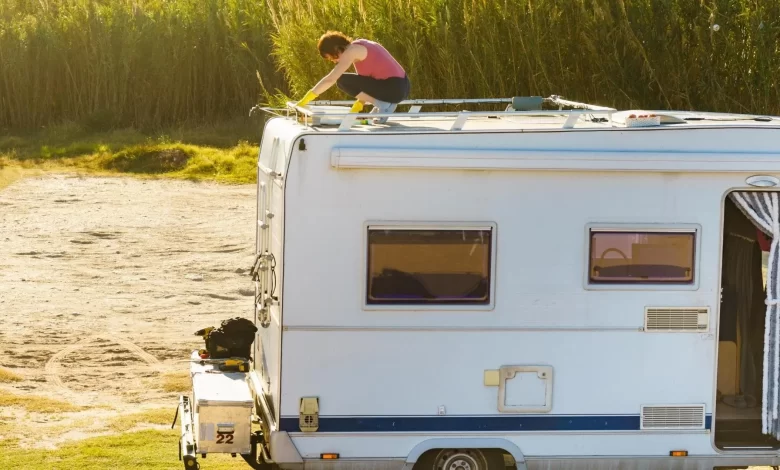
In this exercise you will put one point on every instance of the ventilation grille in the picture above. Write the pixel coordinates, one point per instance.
(673, 417)
(677, 319)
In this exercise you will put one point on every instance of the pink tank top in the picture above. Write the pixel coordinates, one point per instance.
(378, 63)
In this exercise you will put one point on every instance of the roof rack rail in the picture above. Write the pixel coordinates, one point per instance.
(518, 105)
(555, 99)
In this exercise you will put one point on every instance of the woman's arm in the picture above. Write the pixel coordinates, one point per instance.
(346, 59)
(350, 55)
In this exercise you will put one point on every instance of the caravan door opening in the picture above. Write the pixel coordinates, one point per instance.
(738, 409)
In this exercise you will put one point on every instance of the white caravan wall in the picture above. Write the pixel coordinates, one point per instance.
(373, 363)
(274, 155)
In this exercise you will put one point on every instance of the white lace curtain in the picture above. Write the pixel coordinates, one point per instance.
(763, 209)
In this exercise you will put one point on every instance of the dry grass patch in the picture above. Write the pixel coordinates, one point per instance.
(6, 376)
(158, 416)
(37, 404)
(176, 382)
(12, 171)
(7, 439)
(8, 174)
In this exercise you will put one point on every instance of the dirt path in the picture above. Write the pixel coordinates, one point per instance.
(103, 282)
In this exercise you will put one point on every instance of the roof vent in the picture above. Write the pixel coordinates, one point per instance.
(677, 319)
(672, 417)
(639, 118)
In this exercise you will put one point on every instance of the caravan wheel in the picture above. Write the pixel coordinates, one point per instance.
(461, 459)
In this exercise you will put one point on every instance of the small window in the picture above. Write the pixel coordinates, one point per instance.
(621, 257)
(422, 266)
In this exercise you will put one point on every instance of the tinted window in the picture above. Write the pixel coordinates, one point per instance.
(422, 266)
(641, 257)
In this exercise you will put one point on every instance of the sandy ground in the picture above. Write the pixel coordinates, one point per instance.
(103, 282)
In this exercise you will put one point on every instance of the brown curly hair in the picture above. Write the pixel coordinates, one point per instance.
(333, 43)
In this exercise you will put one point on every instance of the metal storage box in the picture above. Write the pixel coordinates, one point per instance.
(222, 405)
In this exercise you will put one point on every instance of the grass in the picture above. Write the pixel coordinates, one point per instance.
(157, 416)
(177, 382)
(6, 376)
(224, 153)
(8, 174)
(7, 438)
(36, 404)
(149, 450)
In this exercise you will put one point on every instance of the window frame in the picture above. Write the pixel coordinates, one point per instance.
(428, 225)
(661, 228)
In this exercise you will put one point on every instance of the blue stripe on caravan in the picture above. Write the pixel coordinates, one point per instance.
(471, 423)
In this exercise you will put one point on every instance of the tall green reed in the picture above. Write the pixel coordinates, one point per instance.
(626, 53)
(151, 63)
(139, 63)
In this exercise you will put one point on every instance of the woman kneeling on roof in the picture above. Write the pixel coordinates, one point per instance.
(380, 79)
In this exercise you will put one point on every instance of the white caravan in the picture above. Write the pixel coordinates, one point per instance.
(551, 285)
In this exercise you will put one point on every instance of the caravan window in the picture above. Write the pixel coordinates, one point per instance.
(429, 266)
(642, 257)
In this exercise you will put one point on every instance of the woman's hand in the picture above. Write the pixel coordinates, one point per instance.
(310, 95)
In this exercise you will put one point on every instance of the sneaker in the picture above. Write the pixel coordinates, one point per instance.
(383, 107)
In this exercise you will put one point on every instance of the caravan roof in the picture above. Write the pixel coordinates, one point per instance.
(521, 114)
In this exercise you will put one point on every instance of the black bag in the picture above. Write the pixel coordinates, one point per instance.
(233, 338)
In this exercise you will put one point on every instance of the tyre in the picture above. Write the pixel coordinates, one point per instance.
(461, 459)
